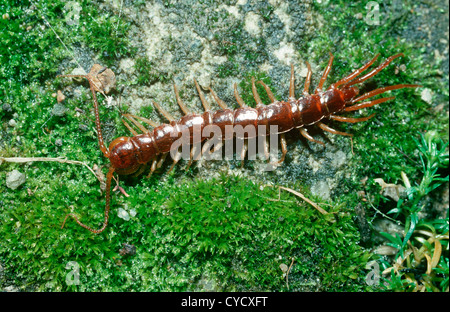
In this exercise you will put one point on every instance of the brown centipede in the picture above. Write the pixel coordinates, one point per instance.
(128, 154)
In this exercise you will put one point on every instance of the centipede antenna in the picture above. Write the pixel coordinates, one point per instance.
(255, 93)
(307, 79)
(88, 77)
(107, 207)
(354, 74)
(180, 102)
(238, 97)
(325, 74)
(268, 91)
(97, 115)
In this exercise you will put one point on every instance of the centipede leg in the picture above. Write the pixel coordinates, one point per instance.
(238, 97)
(180, 102)
(161, 161)
(383, 90)
(367, 104)
(265, 143)
(307, 79)
(176, 159)
(164, 112)
(292, 84)
(205, 103)
(156, 164)
(192, 156)
(354, 74)
(331, 130)
(139, 172)
(136, 123)
(152, 168)
(325, 74)
(268, 91)
(218, 100)
(147, 121)
(243, 153)
(206, 148)
(283, 148)
(375, 71)
(305, 134)
(255, 93)
(350, 119)
(107, 207)
(217, 147)
(127, 125)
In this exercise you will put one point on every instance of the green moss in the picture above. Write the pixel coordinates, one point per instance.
(233, 228)
(253, 52)
(245, 88)
(147, 73)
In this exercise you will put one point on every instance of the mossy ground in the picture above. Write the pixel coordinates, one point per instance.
(222, 233)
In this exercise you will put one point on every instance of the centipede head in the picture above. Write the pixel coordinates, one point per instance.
(122, 155)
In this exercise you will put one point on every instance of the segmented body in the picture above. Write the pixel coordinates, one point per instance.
(129, 154)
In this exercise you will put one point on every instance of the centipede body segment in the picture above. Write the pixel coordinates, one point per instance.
(127, 155)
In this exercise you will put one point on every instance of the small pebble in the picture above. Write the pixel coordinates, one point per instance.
(60, 96)
(58, 110)
(6, 107)
(426, 95)
(14, 179)
(123, 214)
(83, 127)
(284, 267)
(12, 123)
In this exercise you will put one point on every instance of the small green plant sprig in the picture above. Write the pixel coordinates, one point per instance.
(409, 271)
